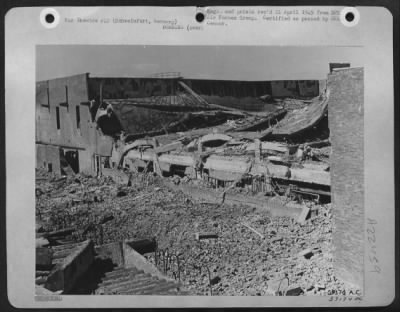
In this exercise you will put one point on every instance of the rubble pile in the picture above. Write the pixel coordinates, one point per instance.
(213, 249)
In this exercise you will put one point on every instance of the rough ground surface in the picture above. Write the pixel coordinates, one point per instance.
(278, 256)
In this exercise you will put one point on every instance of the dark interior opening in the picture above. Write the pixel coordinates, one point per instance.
(72, 158)
(109, 124)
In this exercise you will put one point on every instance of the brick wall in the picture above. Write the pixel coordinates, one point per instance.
(346, 123)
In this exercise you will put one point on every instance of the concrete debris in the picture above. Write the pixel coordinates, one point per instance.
(185, 195)
(303, 215)
(150, 209)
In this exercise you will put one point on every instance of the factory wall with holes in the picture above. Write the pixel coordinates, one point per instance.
(65, 130)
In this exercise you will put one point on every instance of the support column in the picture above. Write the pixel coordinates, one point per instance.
(346, 124)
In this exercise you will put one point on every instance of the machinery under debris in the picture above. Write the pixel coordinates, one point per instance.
(281, 152)
(187, 197)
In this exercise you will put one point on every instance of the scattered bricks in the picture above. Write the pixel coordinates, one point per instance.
(44, 258)
(200, 236)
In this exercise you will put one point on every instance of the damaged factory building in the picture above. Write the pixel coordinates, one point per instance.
(70, 112)
(272, 145)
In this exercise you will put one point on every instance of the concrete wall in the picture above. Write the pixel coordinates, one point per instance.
(111, 251)
(346, 123)
(48, 156)
(133, 259)
(73, 267)
(67, 96)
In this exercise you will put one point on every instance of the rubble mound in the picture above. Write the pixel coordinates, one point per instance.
(211, 249)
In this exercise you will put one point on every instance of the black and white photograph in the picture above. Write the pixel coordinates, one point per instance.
(164, 170)
(191, 157)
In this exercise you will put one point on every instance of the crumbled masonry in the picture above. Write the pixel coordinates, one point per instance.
(172, 193)
(231, 257)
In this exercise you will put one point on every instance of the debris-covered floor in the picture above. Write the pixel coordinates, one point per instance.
(217, 249)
